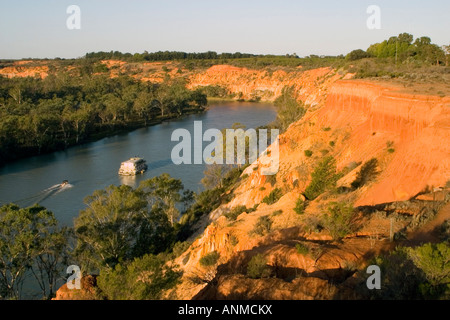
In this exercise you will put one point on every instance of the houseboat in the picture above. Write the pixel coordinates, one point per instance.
(132, 167)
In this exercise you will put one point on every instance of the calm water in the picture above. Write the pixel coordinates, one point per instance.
(94, 166)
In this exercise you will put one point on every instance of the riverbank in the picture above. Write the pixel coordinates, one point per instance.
(106, 131)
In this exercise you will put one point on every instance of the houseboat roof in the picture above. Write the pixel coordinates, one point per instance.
(134, 160)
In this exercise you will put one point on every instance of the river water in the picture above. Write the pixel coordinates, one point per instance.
(94, 166)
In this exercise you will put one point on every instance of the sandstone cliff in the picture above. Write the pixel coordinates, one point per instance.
(405, 132)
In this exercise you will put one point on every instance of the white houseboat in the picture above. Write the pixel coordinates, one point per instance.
(132, 167)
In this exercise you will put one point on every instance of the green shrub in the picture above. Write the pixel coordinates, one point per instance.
(415, 273)
(332, 143)
(277, 213)
(186, 258)
(323, 177)
(389, 145)
(235, 212)
(312, 223)
(302, 249)
(340, 220)
(262, 226)
(272, 179)
(234, 240)
(367, 173)
(180, 247)
(308, 153)
(257, 268)
(326, 129)
(300, 206)
(273, 196)
(253, 209)
(434, 260)
(209, 259)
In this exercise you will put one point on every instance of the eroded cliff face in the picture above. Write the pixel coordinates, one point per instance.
(363, 120)
(415, 126)
(246, 84)
(21, 70)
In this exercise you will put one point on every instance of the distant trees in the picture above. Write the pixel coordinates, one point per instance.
(165, 55)
(447, 53)
(45, 115)
(402, 47)
(357, 54)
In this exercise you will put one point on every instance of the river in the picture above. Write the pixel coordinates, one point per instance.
(94, 166)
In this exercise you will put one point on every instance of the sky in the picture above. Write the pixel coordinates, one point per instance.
(38, 29)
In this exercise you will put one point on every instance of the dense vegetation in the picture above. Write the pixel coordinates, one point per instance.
(401, 57)
(31, 244)
(289, 108)
(166, 55)
(421, 272)
(39, 116)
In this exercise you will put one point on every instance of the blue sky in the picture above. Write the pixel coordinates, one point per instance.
(38, 28)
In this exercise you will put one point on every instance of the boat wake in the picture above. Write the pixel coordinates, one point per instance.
(64, 187)
(44, 194)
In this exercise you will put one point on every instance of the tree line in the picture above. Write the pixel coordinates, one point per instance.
(39, 116)
(403, 48)
(166, 55)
